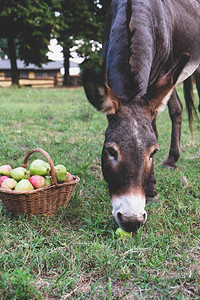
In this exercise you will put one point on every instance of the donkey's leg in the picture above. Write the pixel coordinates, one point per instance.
(175, 111)
(197, 79)
(151, 186)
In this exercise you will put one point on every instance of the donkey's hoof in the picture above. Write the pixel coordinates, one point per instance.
(169, 164)
(169, 167)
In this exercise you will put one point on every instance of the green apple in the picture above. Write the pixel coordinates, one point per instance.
(61, 173)
(24, 185)
(27, 174)
(39, 167)
(47, 180)
(18, 173)
(120, 233)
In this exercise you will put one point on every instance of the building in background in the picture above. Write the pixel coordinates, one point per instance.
(48, 75)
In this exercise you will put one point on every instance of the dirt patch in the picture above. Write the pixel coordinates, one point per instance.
(95, 169)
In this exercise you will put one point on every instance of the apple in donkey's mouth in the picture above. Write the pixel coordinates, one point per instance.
(120, 233)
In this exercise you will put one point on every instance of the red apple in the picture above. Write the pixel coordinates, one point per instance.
(2, 178)
(9, 184)
(69, 177)
(37, 181)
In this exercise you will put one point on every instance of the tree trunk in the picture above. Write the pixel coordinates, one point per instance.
(66, 80)
(13, 61)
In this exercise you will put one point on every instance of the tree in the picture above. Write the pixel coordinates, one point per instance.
(80, 25)
(26, 26)
(92, 50)
(73, 23)
(3, 47)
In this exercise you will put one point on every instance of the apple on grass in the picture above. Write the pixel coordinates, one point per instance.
(120, 233)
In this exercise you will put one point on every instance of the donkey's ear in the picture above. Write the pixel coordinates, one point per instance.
(99, 94)
(159, 93)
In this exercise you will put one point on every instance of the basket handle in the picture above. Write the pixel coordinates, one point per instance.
(53, 173)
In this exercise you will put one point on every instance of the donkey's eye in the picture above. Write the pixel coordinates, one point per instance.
(153, 153)
(112, 153)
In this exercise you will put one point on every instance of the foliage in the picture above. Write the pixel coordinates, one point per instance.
(27, 26)
(93, 58)
(91, 49)
(3, 47)
(17, 285)
(80, 24)
(76, 255)
(31, 22)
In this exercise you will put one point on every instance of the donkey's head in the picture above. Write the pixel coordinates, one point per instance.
(130, 142)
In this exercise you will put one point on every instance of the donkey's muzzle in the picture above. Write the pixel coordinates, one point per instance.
(130, 223)
(128, 211)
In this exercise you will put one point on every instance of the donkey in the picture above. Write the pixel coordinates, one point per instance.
(197, 80)
(188, 93)
(149, 46)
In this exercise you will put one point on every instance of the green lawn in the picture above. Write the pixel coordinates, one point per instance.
(76, 255)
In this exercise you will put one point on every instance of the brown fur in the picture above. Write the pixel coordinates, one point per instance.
(143, 51)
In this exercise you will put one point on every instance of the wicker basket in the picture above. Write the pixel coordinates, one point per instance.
(42, 201)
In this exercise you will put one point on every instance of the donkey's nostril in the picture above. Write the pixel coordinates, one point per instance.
(119, 216)
(130, 223)
(145, 217)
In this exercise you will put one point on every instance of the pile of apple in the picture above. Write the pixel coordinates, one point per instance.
(38, 176)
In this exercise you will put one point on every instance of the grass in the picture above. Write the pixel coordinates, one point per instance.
(76, 255)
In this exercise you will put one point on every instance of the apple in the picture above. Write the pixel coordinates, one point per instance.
(24, 185)
(27, 175)
(9, 184)
(69, 177)
(61, 173)
(37, 181)
(2, 178)
(120, 233)
(47, 180)
(5, 170)
(39, 167)
(19, 173)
